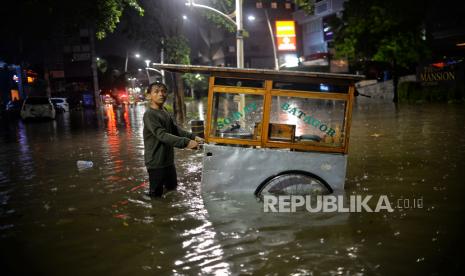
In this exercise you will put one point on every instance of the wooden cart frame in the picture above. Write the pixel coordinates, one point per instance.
(268, 91)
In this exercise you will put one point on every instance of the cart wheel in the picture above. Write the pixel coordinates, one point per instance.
(293, 183)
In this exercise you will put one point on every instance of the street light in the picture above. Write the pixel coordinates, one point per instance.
(239, 30)
(252, 18)
(276, 62)
(136, 55)
(156, 70)
(237, 23)
(147, 62)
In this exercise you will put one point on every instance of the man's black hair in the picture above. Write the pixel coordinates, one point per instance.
(156, 85)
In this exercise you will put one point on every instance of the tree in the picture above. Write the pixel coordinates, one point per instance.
(162, 21)
(110, 78)
(196, 82)
(29, 27)
(41, 19)
(387, 31)
(225, 6)
(307, 5)
(178, 52)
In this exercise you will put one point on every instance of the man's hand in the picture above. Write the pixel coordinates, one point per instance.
(199, 140)
(192, 145)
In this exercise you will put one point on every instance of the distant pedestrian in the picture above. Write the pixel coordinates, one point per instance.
(161, 135)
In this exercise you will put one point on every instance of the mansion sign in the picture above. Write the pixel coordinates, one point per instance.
(429, 75)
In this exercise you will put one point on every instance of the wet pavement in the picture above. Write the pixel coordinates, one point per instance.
(58, 220)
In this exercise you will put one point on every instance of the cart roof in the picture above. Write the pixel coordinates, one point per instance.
(263, 74)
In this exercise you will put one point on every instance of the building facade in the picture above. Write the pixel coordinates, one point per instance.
(316, 37)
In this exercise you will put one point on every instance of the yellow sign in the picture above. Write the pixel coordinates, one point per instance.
(14, 95)
(285, 32)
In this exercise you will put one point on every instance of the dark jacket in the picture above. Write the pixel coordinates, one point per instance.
(161, 135)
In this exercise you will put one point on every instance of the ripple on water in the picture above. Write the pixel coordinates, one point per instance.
(226, 234)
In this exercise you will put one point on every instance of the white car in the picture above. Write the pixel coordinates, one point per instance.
(37, 107)
(61, 103)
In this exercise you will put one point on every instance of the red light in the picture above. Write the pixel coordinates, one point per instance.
(439, 64)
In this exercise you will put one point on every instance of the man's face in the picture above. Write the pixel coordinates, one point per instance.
(158, 95)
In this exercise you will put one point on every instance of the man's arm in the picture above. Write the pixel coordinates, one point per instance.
(184, 133)
(189, 135)
(155, 127)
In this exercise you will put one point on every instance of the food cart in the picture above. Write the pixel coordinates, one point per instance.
(275, 132)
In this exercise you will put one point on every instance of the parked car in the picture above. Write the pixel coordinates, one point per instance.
(61, 104)
(58, 109)
(13, 108)
(37, 107)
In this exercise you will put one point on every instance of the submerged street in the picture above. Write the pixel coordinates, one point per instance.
(58, 220)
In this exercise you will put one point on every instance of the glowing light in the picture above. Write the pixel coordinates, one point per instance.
(201, 111)
(291, 60)
(14, 94)
(324, 87)
(285, 32)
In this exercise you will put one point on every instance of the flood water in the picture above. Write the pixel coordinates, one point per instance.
(58, 220)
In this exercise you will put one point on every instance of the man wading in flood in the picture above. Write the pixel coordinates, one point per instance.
(161, 135)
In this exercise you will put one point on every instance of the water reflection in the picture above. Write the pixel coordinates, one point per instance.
(252, 240)
(201, 111)
(50, 211)
(25, 161)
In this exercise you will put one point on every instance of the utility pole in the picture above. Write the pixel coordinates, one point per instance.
(237, 23)
(126, 62)
(162, 59)
(239, 35)
(94, 69)
(275, 55)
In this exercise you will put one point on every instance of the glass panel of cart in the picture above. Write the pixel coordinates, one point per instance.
(236, 115)
(317, 121)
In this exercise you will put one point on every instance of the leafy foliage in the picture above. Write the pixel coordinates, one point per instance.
(108, 13)
(196, 81)
(307, 5)
(102, 65)
(225, 6)
(177, 50)
(381, 31)
(42, 18)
